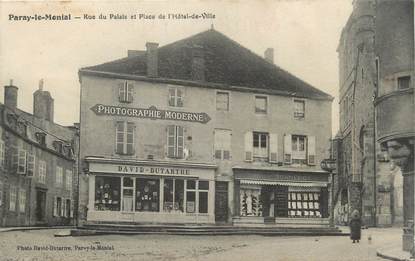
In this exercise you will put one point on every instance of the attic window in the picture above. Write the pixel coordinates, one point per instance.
(404, 82)
(58, 146)
(22, 128)
(41, 138)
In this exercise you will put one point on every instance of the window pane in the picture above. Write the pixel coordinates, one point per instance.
(107, 193)
(256, 140)
(168, 195)
(128, 182)
(261, 104)
(191, 184)
(263, 141)
(203, 202)
(190, 201)
(147, 194)
(178, 195)
(204, 184)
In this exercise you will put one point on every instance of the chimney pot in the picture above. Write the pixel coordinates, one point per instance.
(269, 55)
(43, 104)
(10, 95)
(152, 59)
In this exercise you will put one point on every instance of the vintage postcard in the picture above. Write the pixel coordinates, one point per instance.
(207, 130)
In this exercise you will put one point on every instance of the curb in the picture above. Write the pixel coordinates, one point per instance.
(10, 229)
(383, 254)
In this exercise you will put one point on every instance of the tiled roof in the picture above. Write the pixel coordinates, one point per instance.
(226, 62)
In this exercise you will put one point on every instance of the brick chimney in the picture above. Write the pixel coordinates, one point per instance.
(152, 59)
(43, 103)
(269, 55)
(198, 63)
(10, 95)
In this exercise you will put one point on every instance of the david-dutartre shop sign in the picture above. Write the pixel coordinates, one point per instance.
(150, 113)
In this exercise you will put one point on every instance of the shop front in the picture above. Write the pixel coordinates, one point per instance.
(150, 191)
(281, 197)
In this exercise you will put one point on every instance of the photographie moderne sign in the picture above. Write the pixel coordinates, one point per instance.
(150, 113)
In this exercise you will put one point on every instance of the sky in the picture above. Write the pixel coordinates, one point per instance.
(303, 33)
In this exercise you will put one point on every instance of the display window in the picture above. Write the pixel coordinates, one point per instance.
(250, 201)
(107, 193)
(304, 204)
(147, 194)
(203, 196)
(173, 195)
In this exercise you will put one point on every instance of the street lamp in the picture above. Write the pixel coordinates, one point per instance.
(330, 165)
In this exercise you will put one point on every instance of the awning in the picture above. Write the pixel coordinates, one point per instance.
(283, 183)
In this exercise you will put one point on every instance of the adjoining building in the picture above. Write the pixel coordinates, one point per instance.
(376, 55)
(202, 130)
(38, 163)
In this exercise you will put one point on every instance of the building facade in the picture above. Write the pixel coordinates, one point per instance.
(367, 180)
(394, 102)
(201, 131)
(38, 163)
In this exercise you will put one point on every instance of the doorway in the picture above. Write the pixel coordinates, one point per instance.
(221, 202)
(40, 205)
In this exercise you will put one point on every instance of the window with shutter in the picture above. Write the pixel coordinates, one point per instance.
(260, 145)
(22, 200)
(30, 164)
(68, 180)
(55, 207)
(222, 146)
(287, 149)
(59, 176)
(299, 155)
(42, 172)
(175, 141)
(176, 97)
(125, 132)
(2, 154)
(299, 109)
(311, 149)
(125, 92)
(248, 146)
(222, 101)
(13, 198)
(21, 168)
(273, 149)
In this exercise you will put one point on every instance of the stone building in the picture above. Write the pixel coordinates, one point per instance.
(394, 102)
(202, 130)
(366, 180)
(38, 163)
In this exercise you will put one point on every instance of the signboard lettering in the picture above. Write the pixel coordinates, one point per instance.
(130, 169)
(150, 113)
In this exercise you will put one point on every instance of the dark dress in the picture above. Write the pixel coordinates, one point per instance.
(355, 228)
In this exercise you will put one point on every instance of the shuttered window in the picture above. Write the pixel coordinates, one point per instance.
(21, 163)
(248, 146)
(30, 164)
(42, 172)
(13, 198)
(125, 132)
(68, 179)
(260, 144)
(273, 148)
(22, 200)
(299, 109)
(287, 149)
(311, 150)
(125, 92)
(59, 176)
(175, 141)
(222, 144)
(2, 154)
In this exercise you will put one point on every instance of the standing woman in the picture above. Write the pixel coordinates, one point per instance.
(355, 226)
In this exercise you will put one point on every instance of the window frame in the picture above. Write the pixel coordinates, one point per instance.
(299, 115)
(257, 111)
(220, 149)
(176, 137)
(12, 198)
(296, 152)
(227, 103)
(399, 79)
(22, 200)
(175, 97)
(257, 151)
(125, 135)
(125, 92)
(42, 172)
(68, 179)
(59, 176)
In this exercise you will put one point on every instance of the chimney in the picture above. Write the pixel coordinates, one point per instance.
(10, 95)
(43, 103)
(152, 59)
(269, 55)
(198, 63)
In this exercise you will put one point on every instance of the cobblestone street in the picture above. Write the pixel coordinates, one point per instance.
(42, 245)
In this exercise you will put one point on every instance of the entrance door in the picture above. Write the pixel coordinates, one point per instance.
(221, 201)
(40, 205)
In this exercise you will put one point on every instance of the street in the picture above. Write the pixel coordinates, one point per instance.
(42, 245)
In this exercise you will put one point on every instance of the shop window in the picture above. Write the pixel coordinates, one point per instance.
(68, 180)
(22, 200)
(125, 92)
(107, 193)
(260, 145)
(223, 144)
(13, 198)
(42, 172)
(173, 195)
(261, 104)
(222, 101)
(128, 194)
(250, 201)
(125, 138)
(59, 176)
(175, 141)
(147, 194)
(404, 82)
(299, 109)
(304, 204)
(176, 97)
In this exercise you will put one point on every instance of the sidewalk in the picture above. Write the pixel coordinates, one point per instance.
(8, 229)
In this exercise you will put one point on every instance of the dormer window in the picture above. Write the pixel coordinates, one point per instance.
(41, 138)
(22, 128)
(58, 146)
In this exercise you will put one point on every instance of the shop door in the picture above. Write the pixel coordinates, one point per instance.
(40, 205)
(221, 201)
